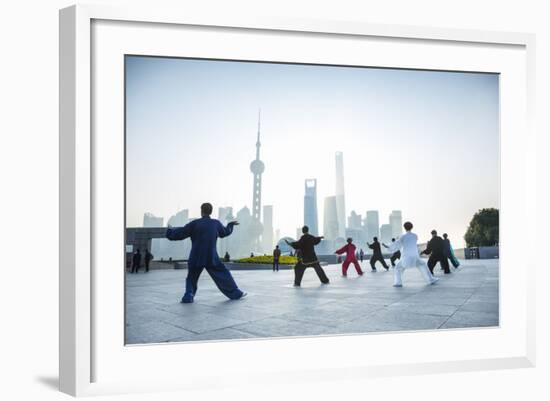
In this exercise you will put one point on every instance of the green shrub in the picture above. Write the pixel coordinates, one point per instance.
(268, 260)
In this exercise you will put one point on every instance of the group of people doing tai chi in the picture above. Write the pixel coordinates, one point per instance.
(205, 231)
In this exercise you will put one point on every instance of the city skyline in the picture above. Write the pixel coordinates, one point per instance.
(389, 152)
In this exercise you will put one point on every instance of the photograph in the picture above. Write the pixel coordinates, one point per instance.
(270, 200)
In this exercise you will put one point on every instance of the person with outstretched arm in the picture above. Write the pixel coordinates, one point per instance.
(308, 258)
(436, 249)
(204, 233)
(351, 257)
(376, 255)
(407, 244)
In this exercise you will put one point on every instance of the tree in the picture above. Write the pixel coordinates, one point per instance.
(483, 229)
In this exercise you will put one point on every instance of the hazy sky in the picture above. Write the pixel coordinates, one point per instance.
(423, 142)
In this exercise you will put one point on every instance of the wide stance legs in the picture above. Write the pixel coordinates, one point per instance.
(300, 268)
(346, 264)
(221, 276)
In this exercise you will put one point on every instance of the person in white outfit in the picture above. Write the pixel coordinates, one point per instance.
(408, 245)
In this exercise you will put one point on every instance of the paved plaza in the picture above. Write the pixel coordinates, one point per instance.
(274, 308)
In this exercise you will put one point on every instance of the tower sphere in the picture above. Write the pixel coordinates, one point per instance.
(257, 167)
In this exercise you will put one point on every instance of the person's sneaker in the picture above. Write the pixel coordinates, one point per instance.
(361, 273)
(296, 285)
(186, 300)
(398, 285)
(344, 275)
(373, 270)
(244, 295)
(434, 280)
(387, 268)
(328, 282)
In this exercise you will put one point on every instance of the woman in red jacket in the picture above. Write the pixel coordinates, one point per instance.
(349, 250)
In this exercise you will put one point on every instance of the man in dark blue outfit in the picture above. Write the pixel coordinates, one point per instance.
(204, 233)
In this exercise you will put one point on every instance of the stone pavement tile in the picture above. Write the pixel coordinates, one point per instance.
(145, 314)
(477, 306)
(246, 313)
(187, 309)
(223, 334)
(392, 320)
(471, 319)
(152, 332)
(332, 314)
(428, 308)
(204, 322)
(276, 327)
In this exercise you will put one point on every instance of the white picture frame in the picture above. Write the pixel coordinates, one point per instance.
(83, 344)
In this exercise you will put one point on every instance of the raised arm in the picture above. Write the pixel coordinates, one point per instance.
(226, 231)
(179, 233)
(295, 244)
(341, 250)
(317, 240)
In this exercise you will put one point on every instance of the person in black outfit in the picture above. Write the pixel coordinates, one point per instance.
(136, 260)
(436, 249)
(395, 255)
(307, 258)
(376, 255)
(361, 254)
(226, 257)
(147, 259)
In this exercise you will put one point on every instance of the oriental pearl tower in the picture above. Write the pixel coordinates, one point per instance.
(257, 168)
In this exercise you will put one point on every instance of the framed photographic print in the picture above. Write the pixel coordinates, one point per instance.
(260, 198)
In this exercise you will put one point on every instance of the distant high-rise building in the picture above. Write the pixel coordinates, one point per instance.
(277, 235)
(340, 195)
(180, 219)
(396, 222)
(267, 236)
(354, 220)
(385, 233)
(150, 220)
(224, 213)
(310, 206)
(373, 224)
(330, 220)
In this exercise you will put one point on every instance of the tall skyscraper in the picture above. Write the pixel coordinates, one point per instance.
(180, 219)
(330, 220)
(340, 197)
(267, 236)
(396, 222)
(385, 233)
(224, 213)
(257, 168)
(310, 206)
(150, 220)
(354, 221)
(373, 224)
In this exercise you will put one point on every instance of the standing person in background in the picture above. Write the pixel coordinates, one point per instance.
(449, 251)
(361, 255)
(147, 259)
(395, 255)
(276, 256)
(305, 248)
(204, 233)
(349, 250)
(376, 255)
(436, 249)
(136, 261)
